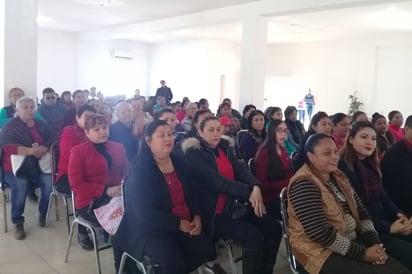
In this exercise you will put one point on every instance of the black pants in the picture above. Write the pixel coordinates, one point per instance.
(83, 212)
(337, 264)
(399, 247)
(273, 209)
(178, 253)
(63, 186)
(262, 234)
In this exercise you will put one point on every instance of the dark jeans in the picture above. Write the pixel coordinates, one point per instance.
(263, 234)
(19, 188)
(399, 247)
(337, 264)
(178, 252)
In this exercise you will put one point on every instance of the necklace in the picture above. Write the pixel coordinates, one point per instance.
(340, 196)
(168, 177)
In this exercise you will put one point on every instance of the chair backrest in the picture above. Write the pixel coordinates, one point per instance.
(294, 266)
(239, 139)
(55, 154)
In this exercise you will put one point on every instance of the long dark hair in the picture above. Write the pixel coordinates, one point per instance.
(276, 169)
(349, 155)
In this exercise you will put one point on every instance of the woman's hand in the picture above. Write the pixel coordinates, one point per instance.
(185, 226)
(256, 201)
(196, 225)
(400, 225)
(376, 254)
(114, 191)
(38, 151)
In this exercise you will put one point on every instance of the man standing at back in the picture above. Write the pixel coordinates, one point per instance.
(164, 91)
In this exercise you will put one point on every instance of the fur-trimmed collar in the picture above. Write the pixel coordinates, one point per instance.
(197, 143)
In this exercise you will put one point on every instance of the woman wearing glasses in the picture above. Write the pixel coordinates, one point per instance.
(273, 167)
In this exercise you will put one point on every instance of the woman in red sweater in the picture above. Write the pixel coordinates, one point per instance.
(273, 166)
(395, 123)
(96, 170)
(70, 137)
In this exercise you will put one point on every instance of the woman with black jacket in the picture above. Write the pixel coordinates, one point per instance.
(161, 218)
(221, 178)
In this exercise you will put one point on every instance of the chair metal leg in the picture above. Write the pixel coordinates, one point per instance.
(51, 197)
(3, 203)
(69, 243)
(96, 251)
(56, 206)
(66, 205)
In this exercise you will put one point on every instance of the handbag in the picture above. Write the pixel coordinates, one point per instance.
(110, 215)
(238, 209)
(25, 166)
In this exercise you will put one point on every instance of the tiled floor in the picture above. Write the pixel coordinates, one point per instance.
(43, 250)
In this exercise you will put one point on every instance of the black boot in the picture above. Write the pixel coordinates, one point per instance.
(252, 260)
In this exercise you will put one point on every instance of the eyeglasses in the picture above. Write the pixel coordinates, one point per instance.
(282, 130)
(50, 97)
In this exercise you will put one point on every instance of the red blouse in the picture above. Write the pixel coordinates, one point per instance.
(177, 195)
(397, 132)
(226, 170)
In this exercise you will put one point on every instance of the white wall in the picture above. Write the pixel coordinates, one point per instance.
(56, 61)
(379, 68)
(97, 67)
(195, 68)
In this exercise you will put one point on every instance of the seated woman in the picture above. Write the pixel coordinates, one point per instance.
(255, 136)
(384, 139)
(360, 163)
(395, 125)
(221, 179)
(341, 125)
(70, 137)
(199, 116)
(224, 112)
(187, 122)
(106, 110)
(247, 110)
(320, 123)
(161, 219)
(273, 167)
(96, 170)
(169, 116)
(329, 228)
(295, 127)
(25, 135)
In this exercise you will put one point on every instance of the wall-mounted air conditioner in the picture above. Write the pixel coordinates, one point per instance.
(122, 54)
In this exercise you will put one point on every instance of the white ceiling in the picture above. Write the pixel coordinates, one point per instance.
(84, 15)
(372, 20)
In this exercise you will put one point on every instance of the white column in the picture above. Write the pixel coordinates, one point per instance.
(253, 62)
(20, 46)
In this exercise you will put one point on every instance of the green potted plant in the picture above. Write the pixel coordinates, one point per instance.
(355, 104)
